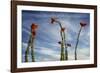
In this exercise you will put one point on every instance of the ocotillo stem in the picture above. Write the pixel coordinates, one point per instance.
(62, 44)
(27, 49)
(66, 53)
(32, 50)
(62, 48)
(77, 43)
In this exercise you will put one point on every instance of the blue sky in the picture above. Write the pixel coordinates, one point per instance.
(47, 37)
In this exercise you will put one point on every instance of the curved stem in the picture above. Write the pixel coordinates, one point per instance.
(62, 44)
(77, 43)
(59, 24)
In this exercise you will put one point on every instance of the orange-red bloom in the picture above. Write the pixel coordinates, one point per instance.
(34, 26)
(83, 24)
(53, 20)
(63, 29)
(33, 29)
(33, 33)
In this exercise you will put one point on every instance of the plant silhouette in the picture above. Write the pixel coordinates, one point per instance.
(31, 43)
(82, 24)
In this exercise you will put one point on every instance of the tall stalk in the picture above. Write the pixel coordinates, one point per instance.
(27, 49)
(66, 51)
(62, 48)
(77, 43)
(62, 44)
(32, 50)
(82, 24)
(62, 38)
(31, 43)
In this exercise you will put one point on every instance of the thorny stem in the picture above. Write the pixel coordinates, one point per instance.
(59, 24)
(62, 47)
(27, 50)
(62, 44)
(32, 50)
(30, 45)
(77, 43)
(66, 52)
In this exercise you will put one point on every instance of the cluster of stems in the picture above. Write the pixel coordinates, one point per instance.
(30, 47)
(64, 46)
(64, 52)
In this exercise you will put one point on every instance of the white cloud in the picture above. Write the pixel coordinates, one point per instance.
(82, 54)
(24, 45)
(25, 30)
(48, 51)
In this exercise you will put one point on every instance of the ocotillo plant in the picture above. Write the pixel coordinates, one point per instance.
(33, 31)
(66, 51)
(62, 52)
(54, 20)
(31, 43)
(82, 24)
(27, 50)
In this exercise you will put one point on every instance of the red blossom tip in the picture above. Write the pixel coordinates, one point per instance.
(63, 29)
(34, 26)
(53, 20)
(33, 33)
(33, 29)
(83, 24)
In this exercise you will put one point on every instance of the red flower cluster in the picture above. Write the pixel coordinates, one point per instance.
(33, 29)
(83, 24)
(63, 29)
(53, 20)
